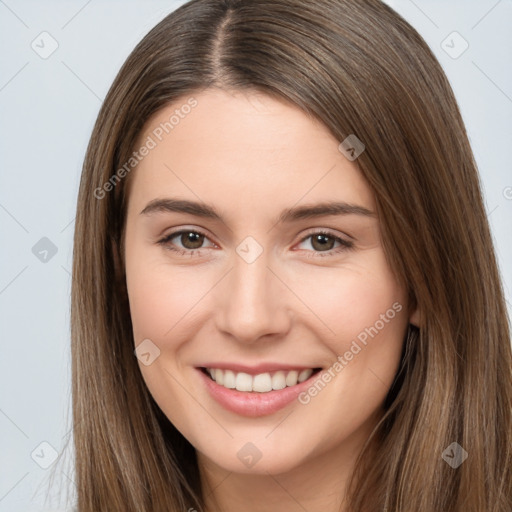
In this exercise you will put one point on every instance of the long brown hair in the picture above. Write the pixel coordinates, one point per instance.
(359, 68)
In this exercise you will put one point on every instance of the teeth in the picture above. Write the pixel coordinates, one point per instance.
(261, 383)
(243, 382)
(291, 378)
(278, 380)
(304, 375)
(229, 379)
(218, 376)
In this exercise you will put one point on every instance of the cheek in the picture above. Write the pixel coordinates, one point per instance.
(160, 297)
(365, 308)
(353, 299)
(152, 306)
(370, 328)
(162, 304)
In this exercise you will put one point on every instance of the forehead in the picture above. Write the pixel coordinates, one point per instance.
(244, 151)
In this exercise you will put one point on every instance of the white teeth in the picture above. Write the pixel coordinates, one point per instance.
(291, 378)
(304, 375)
(229, 379)
(261, 383)
(278, 380)
(243, 382)
(218, 376)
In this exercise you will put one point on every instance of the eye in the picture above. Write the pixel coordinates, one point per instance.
(325, 242)
(320, 243)
(185, 240)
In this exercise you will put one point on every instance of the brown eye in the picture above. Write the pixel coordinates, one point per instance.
(191, 240)
(186, 240)
(328, 243)
(321, 242)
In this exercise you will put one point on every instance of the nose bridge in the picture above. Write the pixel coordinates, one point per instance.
(253, 303)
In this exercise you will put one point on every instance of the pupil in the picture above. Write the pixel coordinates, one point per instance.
(325, 242)
(192, 240)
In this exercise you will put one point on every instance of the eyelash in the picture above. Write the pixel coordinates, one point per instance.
(345, 245)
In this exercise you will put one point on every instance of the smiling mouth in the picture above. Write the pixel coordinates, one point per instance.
(260, 383)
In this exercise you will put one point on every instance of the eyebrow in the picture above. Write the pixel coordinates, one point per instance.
(206, 211)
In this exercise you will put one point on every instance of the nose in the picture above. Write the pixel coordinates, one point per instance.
(252, 303)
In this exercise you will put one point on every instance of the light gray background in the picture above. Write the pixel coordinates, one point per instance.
(48, 107)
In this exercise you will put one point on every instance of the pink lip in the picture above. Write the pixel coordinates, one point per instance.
(253, 404)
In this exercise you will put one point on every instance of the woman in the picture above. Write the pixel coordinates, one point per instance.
(285, 295)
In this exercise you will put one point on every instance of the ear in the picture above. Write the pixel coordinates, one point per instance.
(119, 273)
(415, 317)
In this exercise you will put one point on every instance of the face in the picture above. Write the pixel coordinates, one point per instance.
(267, 321)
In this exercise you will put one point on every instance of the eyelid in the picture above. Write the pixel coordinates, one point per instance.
(344, 243)
(327, 231)
(165, 239)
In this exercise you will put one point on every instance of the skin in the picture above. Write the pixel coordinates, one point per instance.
(251, 157)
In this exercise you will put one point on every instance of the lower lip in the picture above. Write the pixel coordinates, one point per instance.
(254, 404)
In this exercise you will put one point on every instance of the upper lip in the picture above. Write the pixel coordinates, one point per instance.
(257, 369)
